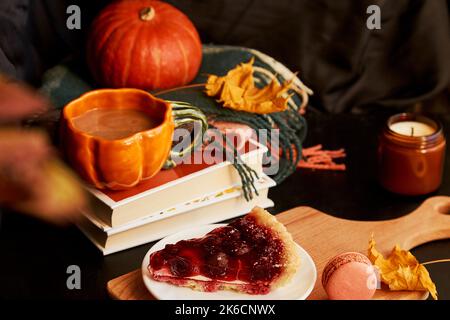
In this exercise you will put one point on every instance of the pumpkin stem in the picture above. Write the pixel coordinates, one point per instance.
(147, 14)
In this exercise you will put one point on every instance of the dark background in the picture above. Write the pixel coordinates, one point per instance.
(349, 67)
(371, 74)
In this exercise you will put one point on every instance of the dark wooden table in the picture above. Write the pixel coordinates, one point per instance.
(34, 256)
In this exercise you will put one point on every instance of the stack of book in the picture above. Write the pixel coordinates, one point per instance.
(185, 196)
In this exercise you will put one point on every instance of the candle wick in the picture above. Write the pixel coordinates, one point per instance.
(412, 131)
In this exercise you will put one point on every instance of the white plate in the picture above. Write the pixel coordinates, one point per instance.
(298, 288)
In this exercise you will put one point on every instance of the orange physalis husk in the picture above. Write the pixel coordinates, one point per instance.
(401, 270)
(237, 91)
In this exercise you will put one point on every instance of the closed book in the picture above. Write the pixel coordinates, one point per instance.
(169, 187)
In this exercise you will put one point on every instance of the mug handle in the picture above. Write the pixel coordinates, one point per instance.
(184, 113)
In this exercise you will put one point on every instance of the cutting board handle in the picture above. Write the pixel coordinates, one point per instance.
(435, 208)
(433, 216)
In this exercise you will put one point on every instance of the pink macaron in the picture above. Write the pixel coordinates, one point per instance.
(349, 276)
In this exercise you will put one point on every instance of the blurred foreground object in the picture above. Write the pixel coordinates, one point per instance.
(32, 179)
(18, 101)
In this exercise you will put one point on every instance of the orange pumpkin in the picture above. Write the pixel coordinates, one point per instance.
(143, 44)
(121, 163)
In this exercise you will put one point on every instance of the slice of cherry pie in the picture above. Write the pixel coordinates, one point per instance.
(253, 254)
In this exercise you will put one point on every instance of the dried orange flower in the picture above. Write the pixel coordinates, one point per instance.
(237, 91)
(401, 270)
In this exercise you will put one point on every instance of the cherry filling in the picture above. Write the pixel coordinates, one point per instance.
(242, 250)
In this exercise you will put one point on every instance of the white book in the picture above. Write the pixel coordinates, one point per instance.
(169, 187)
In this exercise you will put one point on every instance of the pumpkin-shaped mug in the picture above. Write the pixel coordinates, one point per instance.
(116, 138)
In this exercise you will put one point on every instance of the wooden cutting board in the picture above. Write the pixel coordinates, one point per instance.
(324, 236)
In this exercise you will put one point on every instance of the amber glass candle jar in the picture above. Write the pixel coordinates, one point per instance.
(411, 154)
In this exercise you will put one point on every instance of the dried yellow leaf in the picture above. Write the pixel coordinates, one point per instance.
(237, 91)
(401, 270)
